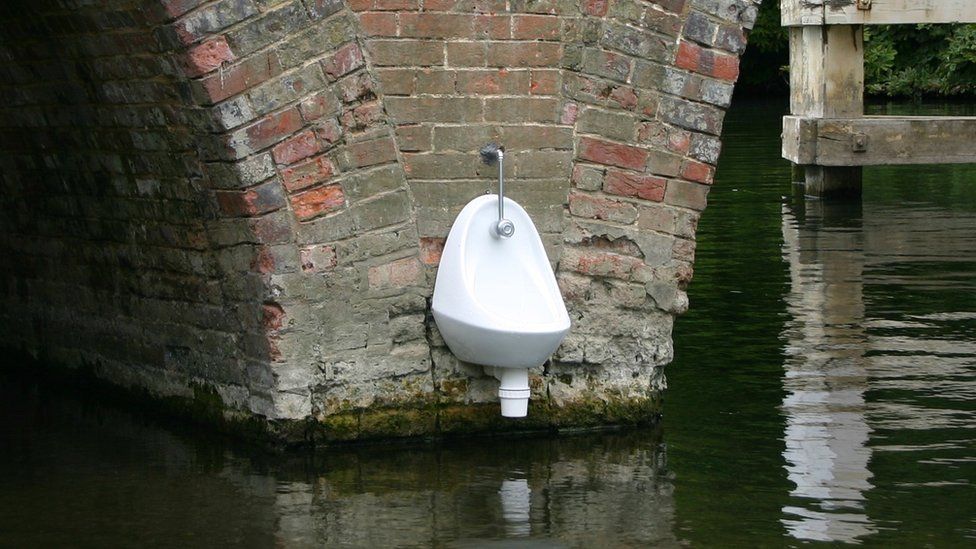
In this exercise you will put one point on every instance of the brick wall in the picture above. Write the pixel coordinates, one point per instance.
(252, 195)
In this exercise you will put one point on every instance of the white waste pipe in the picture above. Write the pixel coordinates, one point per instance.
(513, 391)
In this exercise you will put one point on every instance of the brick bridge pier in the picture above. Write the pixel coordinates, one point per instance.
(242, 203)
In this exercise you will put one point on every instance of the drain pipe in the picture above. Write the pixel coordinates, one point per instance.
(513, 390)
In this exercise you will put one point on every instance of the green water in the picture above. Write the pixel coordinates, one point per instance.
(824, 390)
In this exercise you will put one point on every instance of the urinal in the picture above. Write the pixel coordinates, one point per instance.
(496, 301)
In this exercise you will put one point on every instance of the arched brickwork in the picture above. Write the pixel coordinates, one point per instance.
(251, 195)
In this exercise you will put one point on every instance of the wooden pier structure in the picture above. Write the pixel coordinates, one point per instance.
(827, 133)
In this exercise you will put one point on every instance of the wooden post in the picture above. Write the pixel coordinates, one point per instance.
(827, 81)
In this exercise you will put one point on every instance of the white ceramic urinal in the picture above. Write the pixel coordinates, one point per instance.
(496, 301)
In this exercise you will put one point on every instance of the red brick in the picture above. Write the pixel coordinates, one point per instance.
(431, 249)
(725, 67)
(208, 56)
(263, 261)
(318, 201)
(641, 186)
(689, 56)
(612, 154)
(697, 171)
(359, 5)
(604, 209)
(493, 82)
(175, 8)
(378, 24)
(344, 61)
(544, 82)
(679, 140)
(496, 27)
(272, 128)
(308, 173)
(233, 80)
(437, 25)
(261, 199)
(601, 263)
(296, 148)
(524, 54)
(535, 27)
(624, 96)
(396, 5)
(596, 8)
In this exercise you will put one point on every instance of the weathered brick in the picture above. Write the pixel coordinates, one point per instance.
(640, 186)
(493, 82)
(587, 178)
(596, 8)
(700, 29)
(381, 24)
(397, 81)
(435, 81)
(407, 53)
(208, 56)
(296, 148)
(521, 109)
(257, 200)
(317, 259)
(698, 172)
(436, 25)
(320, 9)
(285, 89)
(605, 209)
(523, 54)
(636, 42)
(317, 201)
(347, 59)
(262, 134)
(466, 54)
(544, 82)
(431, 249)
(355, 87)
(323, 103)
(414, 138)
(306, 174)
(535, 27)
(606, 64)
(414, 110)
(615, 125)
(690, 115)
(686, 194)
(600, 263)
(362, 117)
(612, 154)
(213, 18)
(230, 81)
(367, 153)
(396, 274)
(268, 28)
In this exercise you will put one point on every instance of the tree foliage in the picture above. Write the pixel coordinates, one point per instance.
(899, 60)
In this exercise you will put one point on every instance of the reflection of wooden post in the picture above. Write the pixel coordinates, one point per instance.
(827, 81)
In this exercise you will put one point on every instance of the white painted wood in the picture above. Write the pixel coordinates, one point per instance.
(887, 140)
(888, 12)
(795, 13)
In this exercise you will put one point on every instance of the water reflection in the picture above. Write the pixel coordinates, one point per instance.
(876, 348)
(130, 479)
(826, 376)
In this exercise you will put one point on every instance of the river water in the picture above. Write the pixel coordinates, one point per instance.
(824, 390)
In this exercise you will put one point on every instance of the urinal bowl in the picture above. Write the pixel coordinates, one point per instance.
(496, 301)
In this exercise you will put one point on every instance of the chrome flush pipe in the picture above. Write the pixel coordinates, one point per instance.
(491, 153)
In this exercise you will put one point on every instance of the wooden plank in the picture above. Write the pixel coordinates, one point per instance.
(887, 140)
(797, 13)
(893, 12)
(827, 71)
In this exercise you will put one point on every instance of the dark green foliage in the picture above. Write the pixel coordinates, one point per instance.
(899, 60)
